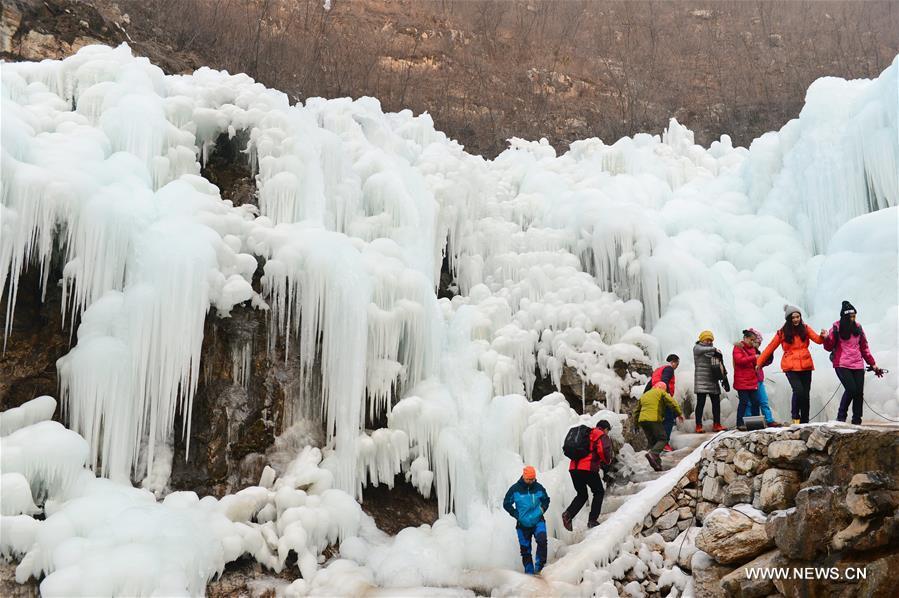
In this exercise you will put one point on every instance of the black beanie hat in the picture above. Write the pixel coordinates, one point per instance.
(847, 309)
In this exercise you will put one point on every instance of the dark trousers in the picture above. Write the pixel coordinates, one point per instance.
(700, 405)
(668, 423)
(801, 383)
(655, 434)
(524, 544)
(583, 480)
(751, 398)
(854, 383)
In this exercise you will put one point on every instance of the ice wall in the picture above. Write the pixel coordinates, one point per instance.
(605, 253)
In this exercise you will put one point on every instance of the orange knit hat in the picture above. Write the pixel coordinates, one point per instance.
(529, 473)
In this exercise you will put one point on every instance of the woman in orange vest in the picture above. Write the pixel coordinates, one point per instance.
(796, 362)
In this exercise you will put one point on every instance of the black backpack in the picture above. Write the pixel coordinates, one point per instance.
(577, 443)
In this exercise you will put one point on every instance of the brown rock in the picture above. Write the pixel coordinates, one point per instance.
(879, 571)
(745, 461)
(693, 476)
(787, 452)
(738, 492)
(861, 535)
(663, 505)
(864, 451)
(820, 438)
(806, 530)
(707, 576)
(729, 536)
(779, 487)
(738, 585)
(868, 481)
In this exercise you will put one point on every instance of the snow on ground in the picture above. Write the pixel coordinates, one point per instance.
(605, 253)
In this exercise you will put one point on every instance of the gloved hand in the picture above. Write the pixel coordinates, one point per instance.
(878, 372)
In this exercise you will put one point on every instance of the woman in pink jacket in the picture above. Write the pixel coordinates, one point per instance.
(849, 352)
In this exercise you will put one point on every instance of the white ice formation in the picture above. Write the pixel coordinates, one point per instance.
(605, 253)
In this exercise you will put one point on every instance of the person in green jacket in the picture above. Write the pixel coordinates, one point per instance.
(649, 414)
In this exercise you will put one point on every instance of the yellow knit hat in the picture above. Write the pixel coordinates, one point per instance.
(706, 335)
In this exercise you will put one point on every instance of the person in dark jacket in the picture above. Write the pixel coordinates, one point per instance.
(849, 353)
(665, 374)
(585, 474)
(527, 501)
(707, 363)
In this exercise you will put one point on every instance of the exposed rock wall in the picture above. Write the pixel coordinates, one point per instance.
(807, 496)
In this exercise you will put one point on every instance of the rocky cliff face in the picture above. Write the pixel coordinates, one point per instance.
(39, 29)
(810, 496)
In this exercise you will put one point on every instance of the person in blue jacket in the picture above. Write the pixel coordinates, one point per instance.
(527, 501)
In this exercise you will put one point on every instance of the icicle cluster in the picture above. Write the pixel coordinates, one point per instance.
(605, 253)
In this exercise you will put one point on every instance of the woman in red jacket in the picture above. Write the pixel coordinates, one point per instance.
(746, 378)
(797, 362)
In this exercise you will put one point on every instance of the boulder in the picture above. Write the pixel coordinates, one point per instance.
(878, 569)
(861, 505)
(778, 488)
(730, 536)
(740, 491)
(805, 531)
(787, 452)
(707, 576)
(866, 452)
(745, 461)
(739, 585)
(868, 481)
(819, 476)
(820, 438)
(861, 535)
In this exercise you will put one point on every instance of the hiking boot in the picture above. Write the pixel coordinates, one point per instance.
(741, 428)
(773, 424)
(593, 523)
(719, 428)
(796, 421)
(699, 430)
(654, 461)
(667, 448)
(566, 521)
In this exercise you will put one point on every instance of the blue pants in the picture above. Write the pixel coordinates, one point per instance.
(762, 407)
(524, 543)
(749, 399)
(669, 423)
